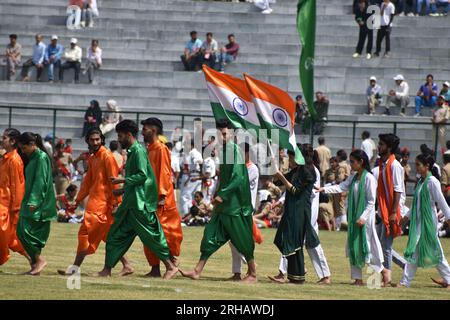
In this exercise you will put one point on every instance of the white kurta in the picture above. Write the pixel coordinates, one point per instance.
(436, 196)
(375, 258)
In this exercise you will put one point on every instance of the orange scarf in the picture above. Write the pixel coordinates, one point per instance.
(383, 199)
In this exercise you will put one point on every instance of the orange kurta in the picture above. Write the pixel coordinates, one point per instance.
(98, 214)
(12, 190)
(168, 215)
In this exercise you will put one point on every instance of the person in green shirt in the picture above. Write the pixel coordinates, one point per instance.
(136, 215)
(295, 230)
(232, 214)
(38, 206)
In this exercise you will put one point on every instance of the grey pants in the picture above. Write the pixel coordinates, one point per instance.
(401, 102)
(389, 254)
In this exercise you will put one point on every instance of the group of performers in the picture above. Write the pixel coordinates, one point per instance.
(142, 203)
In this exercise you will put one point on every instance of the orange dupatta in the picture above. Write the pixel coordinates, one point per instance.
(383, 201)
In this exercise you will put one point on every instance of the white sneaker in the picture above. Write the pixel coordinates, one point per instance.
(401, 14)
(410, 14)
(417, 115)
(369, 56)
(402, 114)
(356, 55)
(91, 24)
(83, 24)
(433, 14)
(267, 11)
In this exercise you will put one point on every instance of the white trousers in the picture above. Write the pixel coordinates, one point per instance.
(187, 193)
(356, 273)
(237, 259)
(318, 259)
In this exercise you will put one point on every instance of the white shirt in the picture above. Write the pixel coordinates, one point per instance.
(370, 189)
(74, 54)
(194, 160)
(367, 147)
(402, 90)
(94, 56)
(209, 166)
(388, 11)
(175, 162)
(253, 177)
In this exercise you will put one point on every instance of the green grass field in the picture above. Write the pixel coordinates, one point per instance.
(60, 251)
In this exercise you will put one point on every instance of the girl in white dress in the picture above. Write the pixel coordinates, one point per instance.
(424, 248)
(363, 246)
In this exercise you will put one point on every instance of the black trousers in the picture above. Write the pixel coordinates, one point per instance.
(70, 65)
(189, 65)
(384, 31)
(296, 266)
(364, 33)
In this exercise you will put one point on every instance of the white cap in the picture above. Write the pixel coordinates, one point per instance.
(447, 84)
(73, 40)
(373, 78)
(399, 77)
(54, 37)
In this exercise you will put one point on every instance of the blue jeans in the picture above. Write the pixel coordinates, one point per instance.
(427, 6)
(445, 5)
(225, 58)
(420, 101)
(51, 68)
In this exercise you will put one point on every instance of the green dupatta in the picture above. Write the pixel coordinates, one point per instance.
(428, 249)
(356, 236)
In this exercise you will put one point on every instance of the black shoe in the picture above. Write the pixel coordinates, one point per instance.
(376, 54)
(387, 112)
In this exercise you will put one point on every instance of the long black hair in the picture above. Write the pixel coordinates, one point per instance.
(30, 137)
(360, 155)
(14, 134)
(428, 161)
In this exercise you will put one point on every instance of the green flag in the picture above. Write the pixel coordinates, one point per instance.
(306, 26)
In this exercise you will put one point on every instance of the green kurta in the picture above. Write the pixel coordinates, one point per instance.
(136, 215)
(33, 228)
(295, 226)
(232, 219)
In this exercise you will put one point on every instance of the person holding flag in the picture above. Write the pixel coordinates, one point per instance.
(101, 204)
(167, 212)
(232, 214)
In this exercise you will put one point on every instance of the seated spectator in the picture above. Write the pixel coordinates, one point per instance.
(398, 96)
(427, 95)
(373, 95)
(445, 91)
(208, 52)
(264, 5)
(73, 61)
(53, 56)
(112, 117)
(93, 60)
(13, 55)
(37, 59)
(74, 11)
(411, 8)
(229, 52)
(445, 4)
(66, 205)
(92, 116)
(90, 10)
(191, 51)
(420, 4)
(200, 212)
(321, 105)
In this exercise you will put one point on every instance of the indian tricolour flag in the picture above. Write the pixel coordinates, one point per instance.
(276, 110)
(230, 99)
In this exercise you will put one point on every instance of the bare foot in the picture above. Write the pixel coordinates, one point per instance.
(249, 279)
(440, 282)
(324, 281)
(25, 79)
(235, 277)
(39, 266)
(175, 261)
(358, 283)
(154, 273)
(398, 285)
(170, 273)
(386, 278)
(277, 279)
(126, 271)
(194, 275)
(103, 274)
